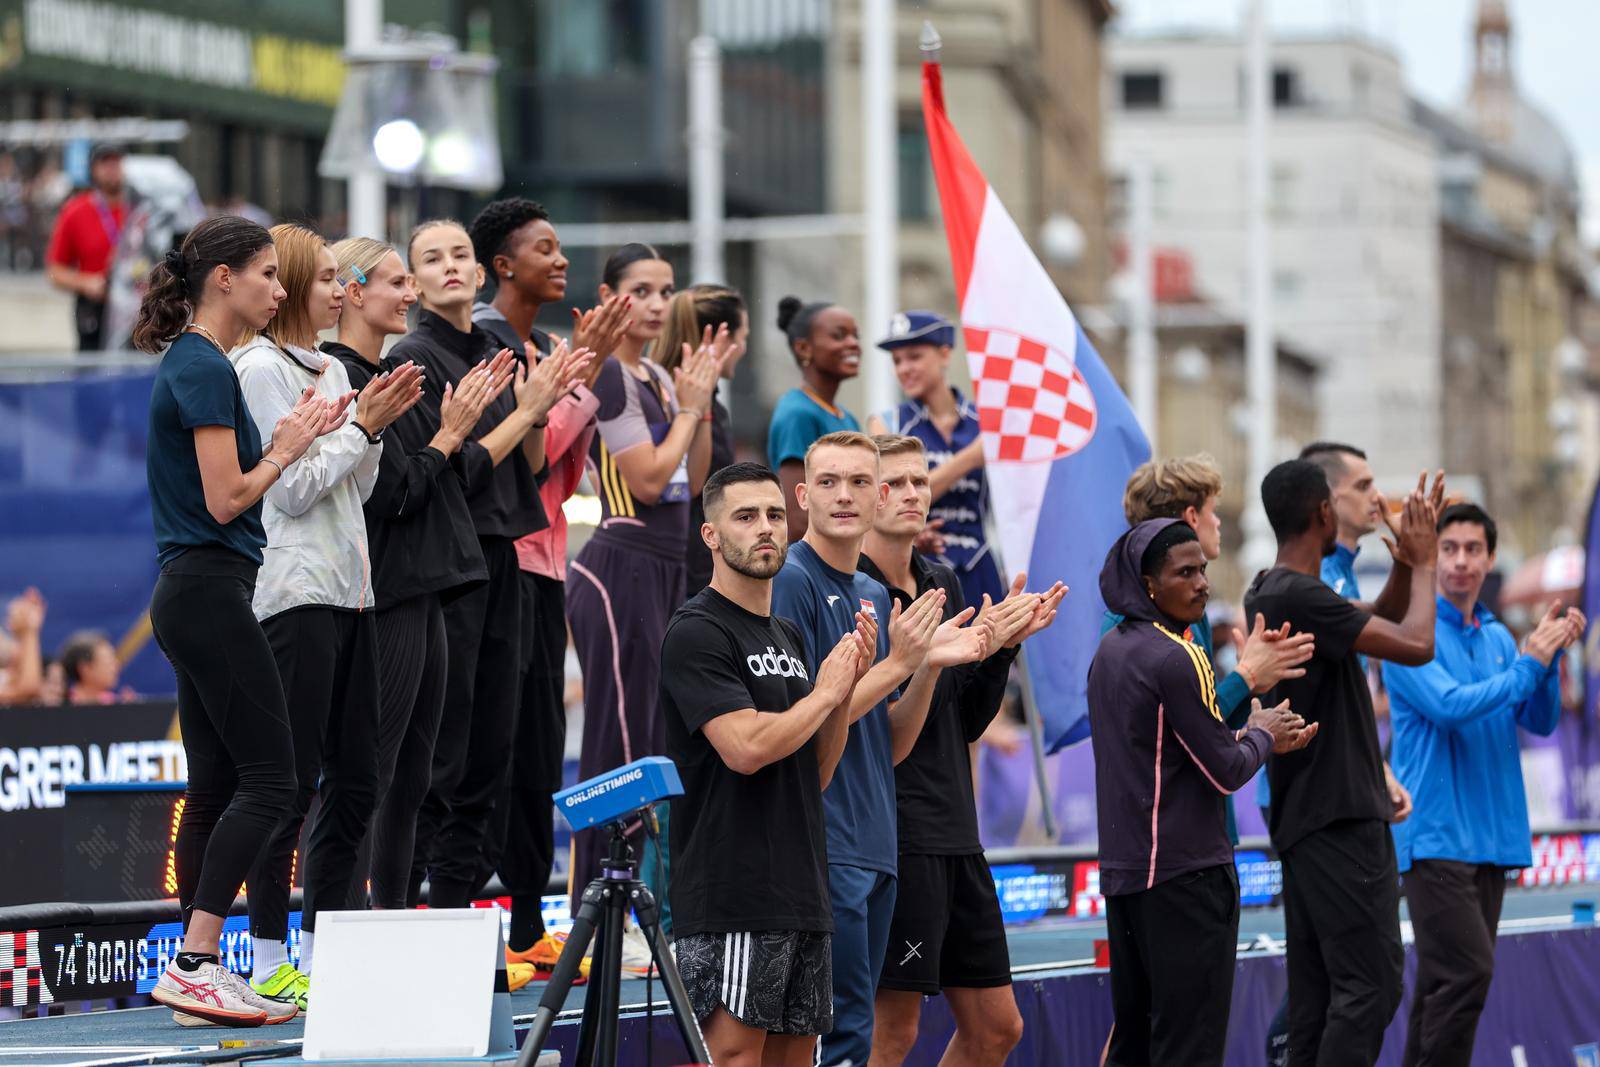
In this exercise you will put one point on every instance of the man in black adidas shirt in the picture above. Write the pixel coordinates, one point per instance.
(947, 934)
(755, 741)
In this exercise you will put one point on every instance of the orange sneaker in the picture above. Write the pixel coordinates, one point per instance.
(543, 956)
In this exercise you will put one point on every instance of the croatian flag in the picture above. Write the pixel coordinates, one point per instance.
(1059, 438)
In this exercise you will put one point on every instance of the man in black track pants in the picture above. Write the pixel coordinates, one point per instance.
(1331, 803)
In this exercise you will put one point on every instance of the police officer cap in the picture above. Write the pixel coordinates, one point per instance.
(919, 328)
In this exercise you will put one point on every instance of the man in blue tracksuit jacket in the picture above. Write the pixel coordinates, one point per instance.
(1455, 748)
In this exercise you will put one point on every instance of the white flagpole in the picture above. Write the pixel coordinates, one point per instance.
(881, 253)
(1260, 547)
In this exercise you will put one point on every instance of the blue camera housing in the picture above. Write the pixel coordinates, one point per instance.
(616, 794)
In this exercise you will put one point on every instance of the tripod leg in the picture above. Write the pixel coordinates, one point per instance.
(607, 968)
(560, 985)
(644, 906)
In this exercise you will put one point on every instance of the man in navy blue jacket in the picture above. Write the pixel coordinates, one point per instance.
(1455, 748)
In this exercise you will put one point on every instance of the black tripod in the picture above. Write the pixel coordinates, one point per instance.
(601, 912)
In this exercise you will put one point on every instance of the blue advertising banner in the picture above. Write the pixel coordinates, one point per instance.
(75, 511)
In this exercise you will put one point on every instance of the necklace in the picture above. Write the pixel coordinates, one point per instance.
(209, 336)
(829, 408)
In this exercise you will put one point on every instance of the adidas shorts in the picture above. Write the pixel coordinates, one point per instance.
(778, 981)
(947, 931)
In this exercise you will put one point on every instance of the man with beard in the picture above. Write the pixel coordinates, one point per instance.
(756, 738)
(1331, 803)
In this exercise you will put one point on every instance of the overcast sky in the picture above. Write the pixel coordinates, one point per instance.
(1552, 53)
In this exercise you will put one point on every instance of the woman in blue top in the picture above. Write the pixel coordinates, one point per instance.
(826, 343)
(208, 473)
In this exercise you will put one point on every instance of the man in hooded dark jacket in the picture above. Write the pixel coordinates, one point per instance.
(1164, 762)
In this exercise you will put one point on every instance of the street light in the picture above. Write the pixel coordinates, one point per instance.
(418, 110)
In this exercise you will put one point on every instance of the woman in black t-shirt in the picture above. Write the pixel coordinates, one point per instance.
(484, 627)
(207, 475)
(691, 313)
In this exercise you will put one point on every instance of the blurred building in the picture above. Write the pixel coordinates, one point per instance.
(1022, 84)
(257, 83)
(1515, 371)
(1354, 214)
(1201, 393)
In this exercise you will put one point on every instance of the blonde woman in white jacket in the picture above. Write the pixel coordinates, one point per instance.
(314, 600)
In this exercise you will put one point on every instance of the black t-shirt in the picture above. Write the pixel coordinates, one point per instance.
(1339, 775)
(749, 851)
(934, 800)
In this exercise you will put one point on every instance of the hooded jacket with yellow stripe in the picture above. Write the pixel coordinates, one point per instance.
(1164, 758)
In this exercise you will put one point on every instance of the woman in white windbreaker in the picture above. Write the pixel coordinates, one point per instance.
(314, 600)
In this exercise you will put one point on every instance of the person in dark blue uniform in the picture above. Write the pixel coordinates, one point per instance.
(946, 422)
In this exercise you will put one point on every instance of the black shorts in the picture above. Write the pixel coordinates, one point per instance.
(779, 981)
(947, 931)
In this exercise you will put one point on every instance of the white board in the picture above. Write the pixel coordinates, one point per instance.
(403, 984)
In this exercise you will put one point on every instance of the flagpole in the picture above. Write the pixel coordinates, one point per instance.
(880, 251)
(1260, 547)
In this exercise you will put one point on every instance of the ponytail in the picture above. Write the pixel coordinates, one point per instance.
(177, 284)
(164, 311)
(689, 313)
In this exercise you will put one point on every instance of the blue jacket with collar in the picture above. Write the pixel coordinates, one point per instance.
(1455, 741)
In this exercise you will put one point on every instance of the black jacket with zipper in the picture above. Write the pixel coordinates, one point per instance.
(419, 530)
(503, 497)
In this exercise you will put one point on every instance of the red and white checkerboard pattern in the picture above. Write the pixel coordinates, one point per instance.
(21, 975)
(1030, 395)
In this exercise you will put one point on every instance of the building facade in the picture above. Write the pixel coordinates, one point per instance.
(1516, 365)
(1353, 210)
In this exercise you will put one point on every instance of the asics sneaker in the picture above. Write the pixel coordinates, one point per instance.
(544, 954)
(213, 994)
(285, 985)
(519, 975)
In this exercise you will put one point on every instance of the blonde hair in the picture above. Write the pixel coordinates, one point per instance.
(297, 267)
(898, 444)
(1162, 489)
(689, 313)
(840, 439)
(361, 254)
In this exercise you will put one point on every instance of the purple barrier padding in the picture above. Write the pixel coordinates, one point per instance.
(1545, 1000)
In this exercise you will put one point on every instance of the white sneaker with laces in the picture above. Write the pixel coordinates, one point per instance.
(211, 993)
(636, 959)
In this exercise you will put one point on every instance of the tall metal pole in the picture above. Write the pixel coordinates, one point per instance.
(1260, 547)
(881, 258)
(706, 198)
(1141, 305)
(366, 189)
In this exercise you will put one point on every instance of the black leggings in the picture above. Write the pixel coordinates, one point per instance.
(412, 653)
(328, 661)
(235, 725)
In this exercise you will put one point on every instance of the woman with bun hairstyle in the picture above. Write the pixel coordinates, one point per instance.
(208, 472)
(691, 313)
(423, 550)
(826, 342)
(649, 458)
(484, 627)
(314, 600)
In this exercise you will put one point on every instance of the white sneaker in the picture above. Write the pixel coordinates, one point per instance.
(636, 959)
(210, 992)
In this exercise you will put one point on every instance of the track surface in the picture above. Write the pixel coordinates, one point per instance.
(149, 1035)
